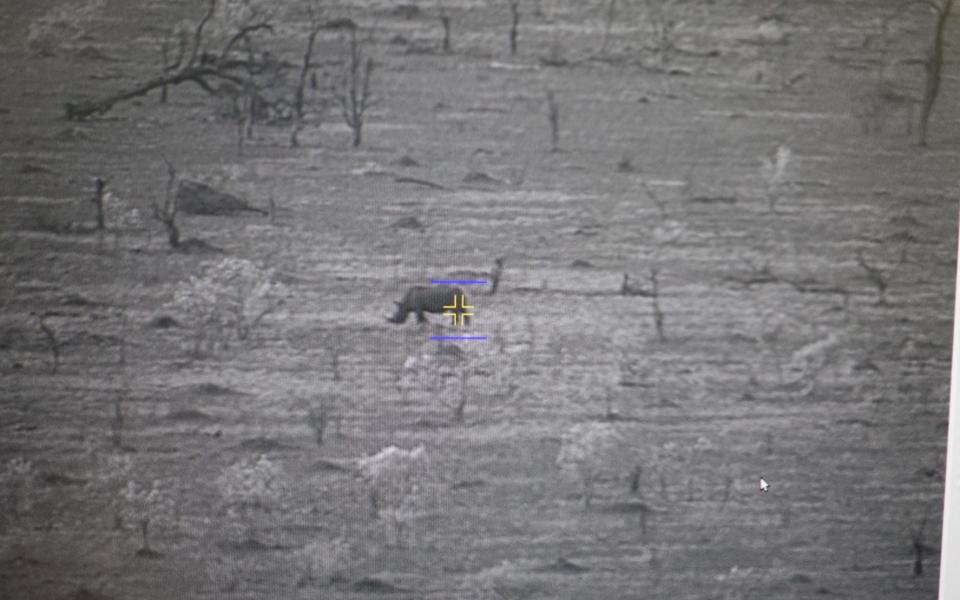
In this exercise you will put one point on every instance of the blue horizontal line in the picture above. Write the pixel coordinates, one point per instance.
(459, 281)
(458, 337)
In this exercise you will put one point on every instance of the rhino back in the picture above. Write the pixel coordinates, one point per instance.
(431, 297)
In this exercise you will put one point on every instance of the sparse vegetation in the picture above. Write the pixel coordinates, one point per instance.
(145, 506)
(775, 174)
(495, 275)
(782, 356)
(218, 53)
(230, 299)
(254, 492)
(934, 63)
(514, 25)
(593, 450)
(353, 86)
(400, 486)
(553, 116)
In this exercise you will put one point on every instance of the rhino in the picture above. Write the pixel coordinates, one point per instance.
(427, 298)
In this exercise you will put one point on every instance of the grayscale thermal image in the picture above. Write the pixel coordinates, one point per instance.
(476, 299)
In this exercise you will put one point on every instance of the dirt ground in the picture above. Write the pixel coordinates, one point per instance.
(778, 358)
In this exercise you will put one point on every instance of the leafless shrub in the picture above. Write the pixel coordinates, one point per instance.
(920, 549)
(553, 115)
(514, 25)
(880, 277)
(609, 16)
(316, 25)
(353, 88)
(658, 317)
(591, 450)
(53, 342)
(99, 184)
(167, 214)
(146, 506)
(655, 197)
(934, 62)
(318, 417)
(495, 275)
(445, 23)
(664, 19)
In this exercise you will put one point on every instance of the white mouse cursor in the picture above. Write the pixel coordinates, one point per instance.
(764, 486)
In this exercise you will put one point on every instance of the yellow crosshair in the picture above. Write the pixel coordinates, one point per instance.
(460, 311)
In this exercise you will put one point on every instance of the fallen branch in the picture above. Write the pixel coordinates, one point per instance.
(197, 75)
(424, 182)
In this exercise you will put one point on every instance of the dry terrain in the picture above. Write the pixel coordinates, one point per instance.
(779, 357)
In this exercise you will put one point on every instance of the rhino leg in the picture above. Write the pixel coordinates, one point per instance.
(420, 317)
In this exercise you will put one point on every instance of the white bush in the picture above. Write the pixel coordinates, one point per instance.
(144, 506)
(401, 485)
(253, 491)
(321, 561)
(231, 296)
(774, 172)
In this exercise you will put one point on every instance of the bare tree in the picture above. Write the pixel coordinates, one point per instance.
(610, 15)
(52, 340)
(514, 25)
(353, 89)
(306, 66)
(933, 64)
(655, 303)
(318, 416)
(445, 23)
(168, 213)
(495, 275)
(99, 184)
(553, 115)
(665, 24)
(879, 277)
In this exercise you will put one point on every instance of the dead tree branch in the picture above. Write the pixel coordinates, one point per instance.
(353, 93)
(514, 25)
(655, 303)
(933, 66)
(207, 70)
(168, 213)
(880, 278)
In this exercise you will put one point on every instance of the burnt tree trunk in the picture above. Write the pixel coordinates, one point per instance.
(514, 25)
(445, 21)
(934, 67)
(99, 186)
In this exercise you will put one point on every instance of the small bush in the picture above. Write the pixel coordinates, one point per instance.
(401, 486)
(230, 298)
(592, 450)
(254, 492)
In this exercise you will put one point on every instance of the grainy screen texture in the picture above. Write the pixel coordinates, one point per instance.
(716, 241)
